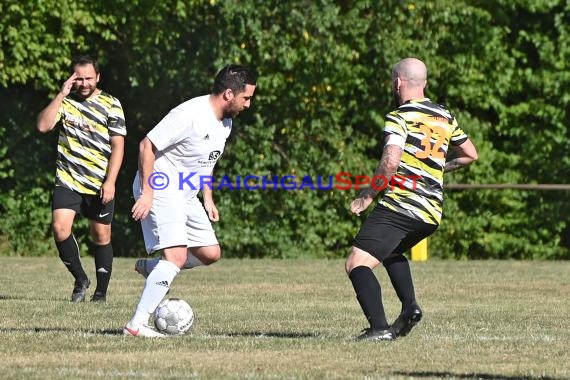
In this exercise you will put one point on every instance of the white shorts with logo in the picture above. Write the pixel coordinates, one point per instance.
(174, 221)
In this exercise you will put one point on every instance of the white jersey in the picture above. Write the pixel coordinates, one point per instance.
(189, 140)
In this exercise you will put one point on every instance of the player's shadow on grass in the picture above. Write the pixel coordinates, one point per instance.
(479, 376)
(61, 330)
(11, 297)
(34, 329)
(254, 334)
(267, 334)
(27, 298)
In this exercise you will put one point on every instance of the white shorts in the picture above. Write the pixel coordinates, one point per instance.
(174, 221)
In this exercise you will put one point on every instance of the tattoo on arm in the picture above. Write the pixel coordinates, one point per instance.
(452, 165)
(387, 167)
(463, 155)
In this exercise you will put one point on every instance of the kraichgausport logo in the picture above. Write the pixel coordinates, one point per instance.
(339, 181)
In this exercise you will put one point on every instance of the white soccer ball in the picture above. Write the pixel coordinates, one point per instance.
(173, 316)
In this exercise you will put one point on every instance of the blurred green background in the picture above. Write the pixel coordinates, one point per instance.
(501, 65)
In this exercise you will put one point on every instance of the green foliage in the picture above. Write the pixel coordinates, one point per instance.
(38, 38)
(28, 212)
(323, 90)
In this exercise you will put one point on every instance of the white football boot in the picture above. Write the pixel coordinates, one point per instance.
(144, 331)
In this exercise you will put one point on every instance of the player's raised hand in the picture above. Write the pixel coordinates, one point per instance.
(68, 85)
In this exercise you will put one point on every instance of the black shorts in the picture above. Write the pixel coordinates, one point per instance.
(88, 205)
(386, 233)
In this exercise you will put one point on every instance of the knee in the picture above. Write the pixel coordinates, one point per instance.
(61, 231)
(212, 255)
(348, 265)
(208, 255)
(101, 239)
(179, 261)
(101, 235)
(358, 258)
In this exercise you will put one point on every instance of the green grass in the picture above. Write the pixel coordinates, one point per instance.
(291, 319)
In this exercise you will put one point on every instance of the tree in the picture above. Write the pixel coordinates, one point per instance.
(323, 90)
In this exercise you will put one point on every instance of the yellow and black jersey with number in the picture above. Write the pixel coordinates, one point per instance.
(428, 130)
(84, 144)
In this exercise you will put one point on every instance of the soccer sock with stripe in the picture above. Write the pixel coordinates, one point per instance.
(398, 269)
(69, 255)
(151, 263)
(192, 261)
(157, 285)
(369, 296)
(103, 266)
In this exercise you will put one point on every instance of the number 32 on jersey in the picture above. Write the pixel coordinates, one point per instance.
(434, 138)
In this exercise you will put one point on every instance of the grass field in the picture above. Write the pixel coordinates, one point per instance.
(292, 319)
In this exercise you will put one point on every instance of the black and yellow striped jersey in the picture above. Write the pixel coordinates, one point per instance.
(428, 130)
(84, 145)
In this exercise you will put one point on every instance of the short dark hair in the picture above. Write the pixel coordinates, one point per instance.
(84, 59)
(234, 77)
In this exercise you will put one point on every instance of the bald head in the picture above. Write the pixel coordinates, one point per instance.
(409, 79)
(411, 70)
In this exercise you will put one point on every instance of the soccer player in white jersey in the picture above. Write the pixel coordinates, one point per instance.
(180, 150)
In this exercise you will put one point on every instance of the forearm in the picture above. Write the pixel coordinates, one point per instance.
(47, 117)
(146, 165)
(386, 168)
(116, 159)
(382, 173)
(466, 153)
(457, 163)
(207, 193)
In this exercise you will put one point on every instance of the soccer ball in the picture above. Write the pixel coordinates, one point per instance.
(173, 316)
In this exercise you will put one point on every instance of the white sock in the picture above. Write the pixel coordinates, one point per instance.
(156, 286)
(192, 261)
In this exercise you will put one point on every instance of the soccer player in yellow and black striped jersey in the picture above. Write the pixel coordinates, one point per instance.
(418, 136)
(89, 155)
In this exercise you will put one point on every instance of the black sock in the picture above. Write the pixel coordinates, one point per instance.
(398, 269)
(369, 296)
(69, 255)
(103, 266)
